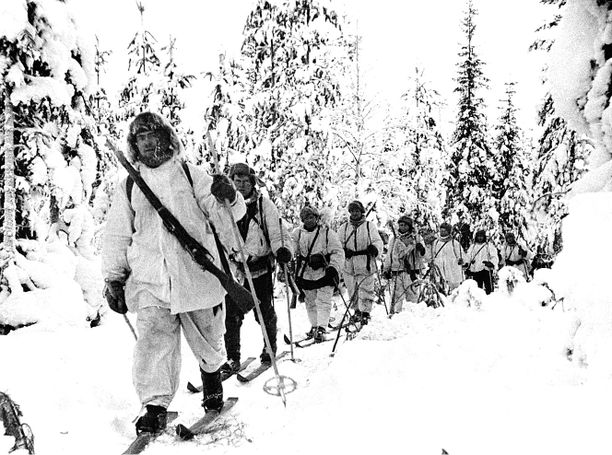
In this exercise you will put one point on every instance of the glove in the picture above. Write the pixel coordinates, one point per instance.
(283, 255)
(316, 261)
(522, 252)
(222, 188)
(460, 261)
(348, 253)
(420, 249)
(387, 274)
(331, 274)
(372, 250)
(115, 296)
(488, 264)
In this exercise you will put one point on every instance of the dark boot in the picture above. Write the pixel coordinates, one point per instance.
(355, 318)
(320, 335)
(265, 357)
(212, 388)
(311, 333)
(153, 421)
(230, 367)
(365, 318)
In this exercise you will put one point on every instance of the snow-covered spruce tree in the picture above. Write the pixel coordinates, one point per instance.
(44, 71)
(355, 144)
(291, 60)
(561, 157)
(561, 160)
(427, 148)
(512, 185)
(154, 84)
(471, 167)
(225, 117)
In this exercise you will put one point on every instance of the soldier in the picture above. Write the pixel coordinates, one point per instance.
(260, 230)
(147, 271)
(319, 258)
(403, 263)
(447, 256)
(362, 244)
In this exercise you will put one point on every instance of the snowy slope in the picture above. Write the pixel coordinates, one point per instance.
(488, 381)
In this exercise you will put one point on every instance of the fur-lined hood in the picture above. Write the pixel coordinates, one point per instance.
(150, 121)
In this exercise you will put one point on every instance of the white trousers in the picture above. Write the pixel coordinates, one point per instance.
(157, 355)
(318, 305)
(365, 290)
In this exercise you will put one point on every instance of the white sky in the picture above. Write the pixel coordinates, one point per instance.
(397, 35)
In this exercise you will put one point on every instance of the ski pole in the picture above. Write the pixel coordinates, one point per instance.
(348, 307)
(247, 271)
(382, 290)
(286, 272)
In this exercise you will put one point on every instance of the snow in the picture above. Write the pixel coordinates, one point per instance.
(14, 16)
(468, 378)
(569, 61)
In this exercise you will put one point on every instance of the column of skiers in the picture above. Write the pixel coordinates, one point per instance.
(147, 272)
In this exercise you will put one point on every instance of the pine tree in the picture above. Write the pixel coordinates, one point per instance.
(561, 160)
(561, 157)
(155, 83)
(428, 149)
(291, 61)
(512, 184)
(45, 73)
(471, 166)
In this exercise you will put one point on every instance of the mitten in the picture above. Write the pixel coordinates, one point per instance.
(222, 188)
(348, 253)
(372, 250)
(115, 296)
(331, 274)
(283, 255)
(387, 274)
(420, 249)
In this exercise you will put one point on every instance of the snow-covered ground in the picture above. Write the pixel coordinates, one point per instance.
(494, 380)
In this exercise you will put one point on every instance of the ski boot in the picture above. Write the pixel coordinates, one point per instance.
(365, 318)
(312, 332)
(230, 367)
(319, 336)
(212, 388)
(153, 421)
(356, 317)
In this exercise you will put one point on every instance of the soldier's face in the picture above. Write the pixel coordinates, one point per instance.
(151, 149)
(243, 184)
(310, 221)
(480, 238)
(403, 227)
(355, 214)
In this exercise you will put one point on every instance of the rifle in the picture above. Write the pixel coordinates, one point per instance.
(197, 252)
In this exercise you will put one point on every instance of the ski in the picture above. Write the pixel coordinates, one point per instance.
(295, 342)
(144, 439)
(311, 341)
(224, 375)
(202, 424)
(304, 342)
(262, 367)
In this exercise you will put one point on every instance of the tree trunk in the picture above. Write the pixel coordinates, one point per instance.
(9, 225)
